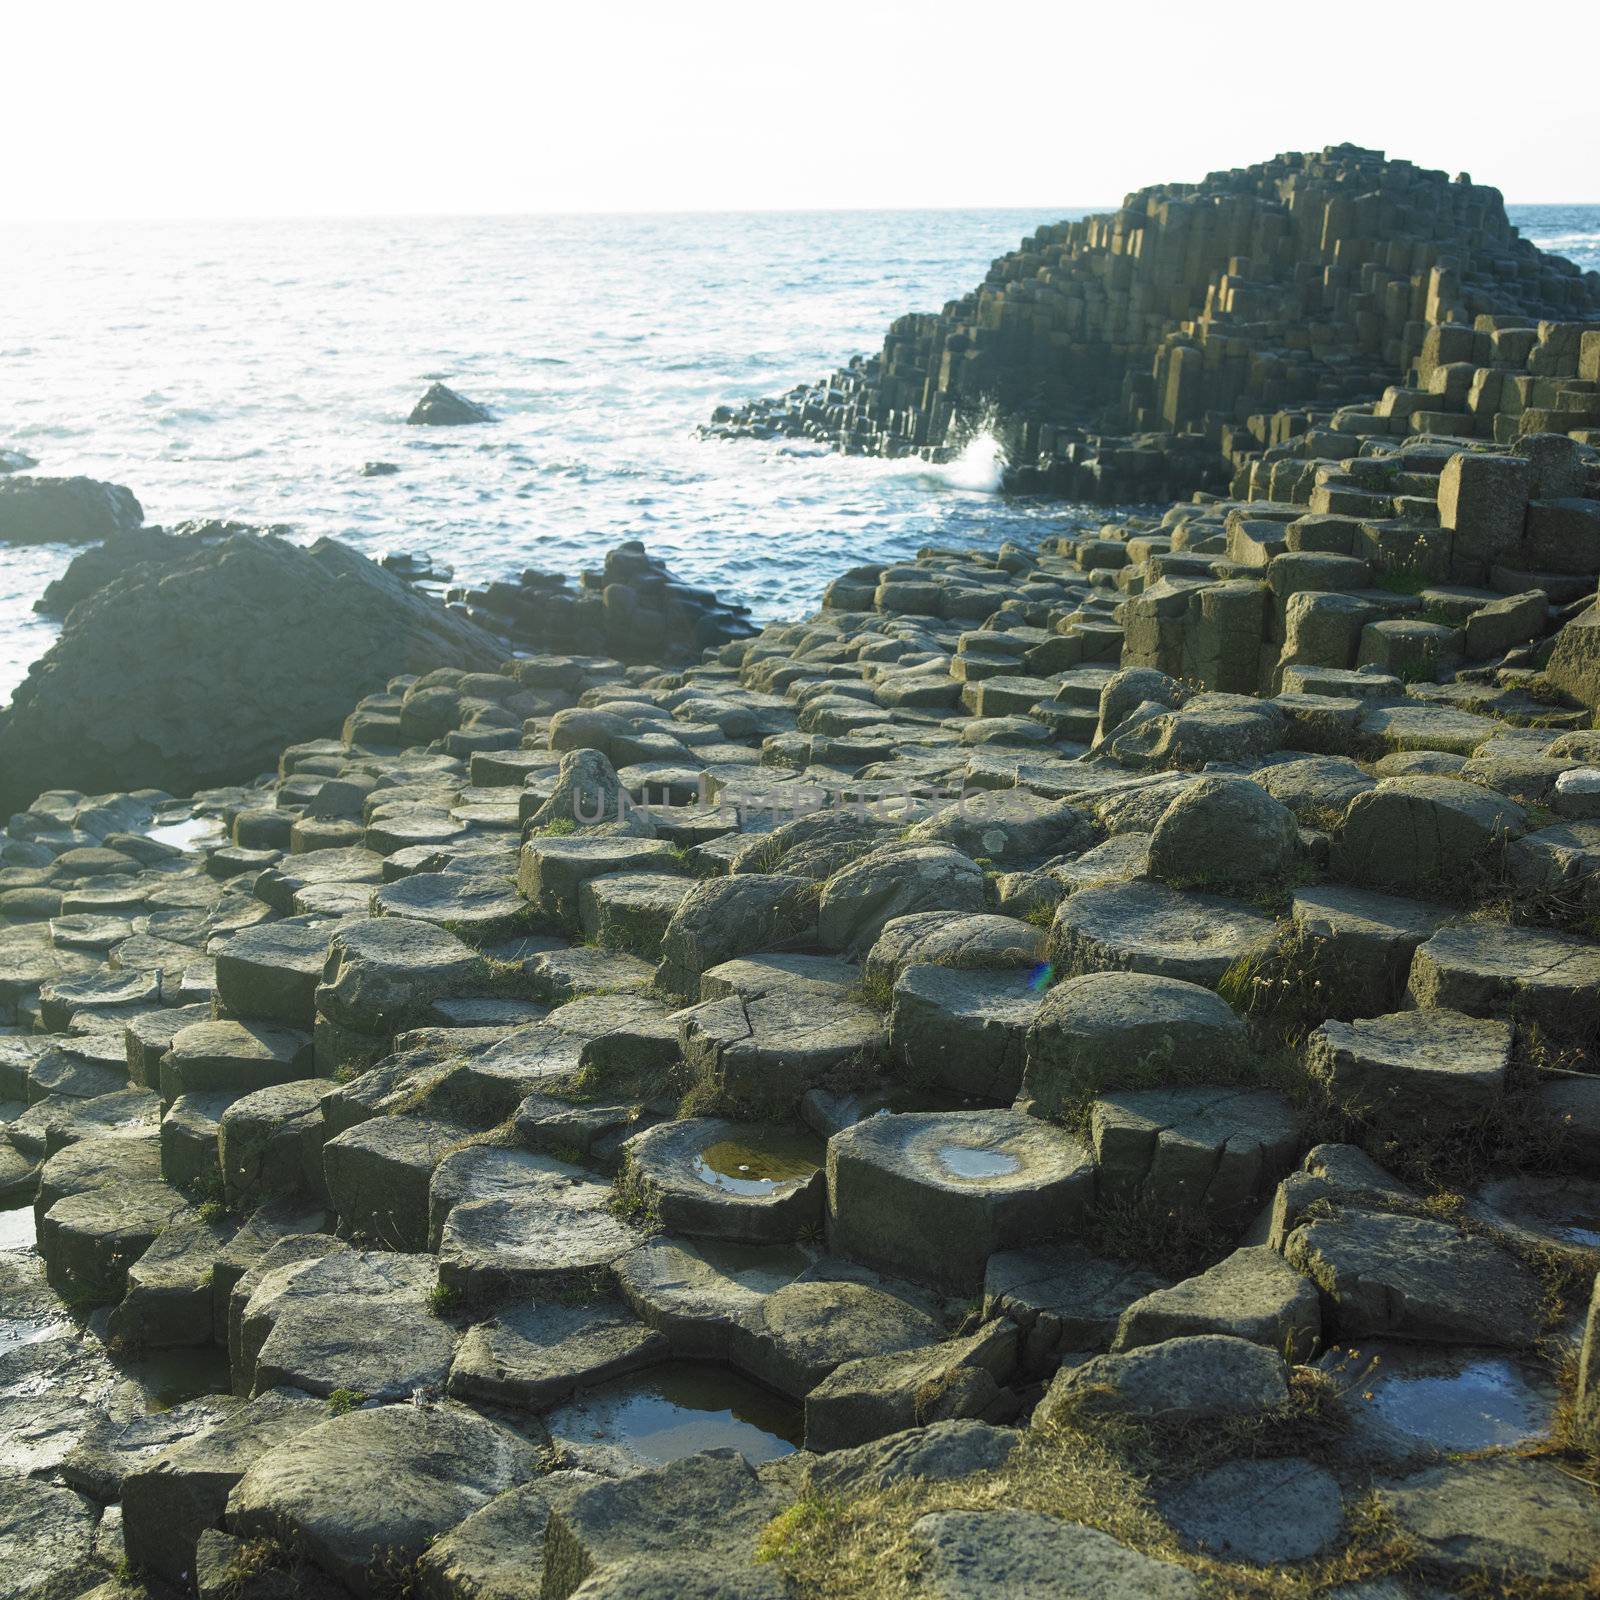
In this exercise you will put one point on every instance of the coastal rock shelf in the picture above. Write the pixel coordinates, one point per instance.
(1204, 330)
(1116, 1021)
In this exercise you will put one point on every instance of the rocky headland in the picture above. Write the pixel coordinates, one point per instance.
(1070, 1070)
(1208, 330)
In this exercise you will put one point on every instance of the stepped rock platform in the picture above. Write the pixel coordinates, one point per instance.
(1073, 1069)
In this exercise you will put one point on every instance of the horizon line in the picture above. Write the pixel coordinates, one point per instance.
(518, 214)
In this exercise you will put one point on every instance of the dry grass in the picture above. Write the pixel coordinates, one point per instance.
(1096, 1472)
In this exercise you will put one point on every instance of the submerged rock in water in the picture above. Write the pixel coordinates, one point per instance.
(16, 461)
(199, 672)
(442, 407)
(64, 510)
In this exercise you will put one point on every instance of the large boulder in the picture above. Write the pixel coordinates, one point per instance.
(95, 567)
(64, 510)
(1574, 664)
(199, 673)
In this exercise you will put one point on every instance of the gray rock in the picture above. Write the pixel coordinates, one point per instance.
(46, 1540)
(169, 1501)
(376, 1486)
(963, 1031)
(232, 1058)
(755, 1057)
(712, 1503)
(64, 510)
(554, 869)
(697, 1292)
(1359, 944)
(1252, 1294)
(1148, 927)
(352, 1320)
(1413, 1278)
(953, 940)
(1414, 1072)
(535, 1354)
(792, 1338)
(1422, 834)
(1199, 1378)
(442, 407)
(383, 975)
(873, 1396)
(542, 1237)
(1108, 1030)
(117, 1445)
(270, 1144)
(89, 1240)
(378, 1174)
(894, 881)
(933, 1195)
(1010, 827)
(270, 974)
(727, 917)
(1211, 1149)
(498, 1552)
(1503, 1514)
(725, 1180)
(587, 794)
(939, 1453)
(1223, 833)
(1015, 1555)
(1531, 975)
(1270, 1512)
(1063, 1297)
(199, 672)
(1211, 727)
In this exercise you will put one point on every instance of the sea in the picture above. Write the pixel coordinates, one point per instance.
(248, 370)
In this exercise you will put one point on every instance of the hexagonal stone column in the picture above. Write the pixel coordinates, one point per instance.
(934, 1194)
(714, 1179)
(1212, 1149)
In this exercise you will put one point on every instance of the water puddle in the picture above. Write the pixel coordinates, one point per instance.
(1486, 1404)
(680, 1409)
(742, 1167)
(16, 1229)
(967, 1161)
(188, 833)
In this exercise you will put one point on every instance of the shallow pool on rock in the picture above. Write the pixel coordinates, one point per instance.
(186, 832)
(679, 1409)
(1459, 1401)
(744, 1168)
(17, 1229)
(967, 1161)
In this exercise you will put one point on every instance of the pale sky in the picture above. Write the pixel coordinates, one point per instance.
(234, 108)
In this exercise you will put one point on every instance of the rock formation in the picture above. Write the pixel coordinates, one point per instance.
(132, 547)
(633, 609)
(442, 407)
(1036, 1017)
(191, 672)
(1116, 1021)
(1170, 344)
(64, 510)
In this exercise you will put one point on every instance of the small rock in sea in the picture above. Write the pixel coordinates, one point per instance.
(16, 461)
(64, 510)
(441, 407)
(387, 469)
